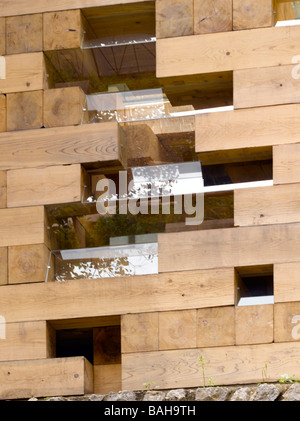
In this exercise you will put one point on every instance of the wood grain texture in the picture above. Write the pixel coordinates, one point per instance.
(139, 332)
(255, 127)
(24, 34)
(3, 189)
(3, 113)
(59, 145)
(287, 322)
(265, 86)
(21, 226)
(249, 14)
(107, 378)
(286, 164)
(254, 324)
(46, 185)
(45, 377)
(94, 297)
(286, 282)
(229, 247)
(267, 205)
(177, 329)
(225, 365)
(226, 51)
(3, 266)
(24, 72)
(107, 345)
(2, 37)
(215, 326)
(25, 110)
(211, 16)
(26, 341)
(174, 18)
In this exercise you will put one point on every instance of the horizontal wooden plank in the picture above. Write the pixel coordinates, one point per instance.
(229, 247)
(286, 164)
(225, 365)
(267, 205)
(287, 322)
(101, 297)
(23, 7)
(21, 226)
(3, 189)
(43, 186)
(245, 128)
(60, 145)
(45, 377)
(24, 72)
(224, 51)
(26, 341)
(286, 282)
(265, 86)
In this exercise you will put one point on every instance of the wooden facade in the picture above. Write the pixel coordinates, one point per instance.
(226, 290)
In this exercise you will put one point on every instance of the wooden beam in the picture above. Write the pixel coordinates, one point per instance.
(94, 297)
(247, 128)
(252, 14)
(44, 186)
(3, 189)
(177, 329)
(107, 378)
(27, 341)
(45, 377)
(226, 51)
(107, 345)
(139, 332)
(3, 113)
(287, 322)
(225, 365)
(89, 143)
(174, 18)
(2, 37)
(228, 247)
(283, 10)
(3, 266)
(211, 16)
(265, 86)
(25, 110)
(286, 163)
(24, 72)
(21, 226)
(267, 205)
(24, 34)
(286, 282)
(254, 324)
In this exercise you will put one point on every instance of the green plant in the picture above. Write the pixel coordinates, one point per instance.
(149, 386)
(264, 373)
(202, 364)
(286, 378)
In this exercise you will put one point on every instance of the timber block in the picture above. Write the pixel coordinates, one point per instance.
(2, 36)
(286, 163)
(177, 329)
(3, 112)
(3, 266)
(212, 16)
(24, 34)
(215, 326)
(64, 107)
(174, 18)
(24, 110)
(3, 189)
(286, 282)
(107, 378)
(139, 332)
(287, 322)
(107, 345)
(249, 14)
(254, 324)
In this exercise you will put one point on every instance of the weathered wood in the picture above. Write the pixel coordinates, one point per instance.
(46, 185)
(45, 377)
(28, 263)
(3, 113)
(3, 189)
(139, 332)
(24, 72)
(94, 297)
(211, 16)
(64, 107)
(267, 205)
(86, 322)
(3, 266)
(24, 34)
(252, 14)
(26, 341)
(174, 18)
(177, 329)
(226, 51)
(265, 86)
(24, 110)
(287, 322)
(225, 365)
(254, 127)
(107, 378)
(229, 247)
(21, 226)
(107, 345)
(88, 143)
(215, 326)
(286, 282)
(286, 164)
(254, 324)
(2, 37)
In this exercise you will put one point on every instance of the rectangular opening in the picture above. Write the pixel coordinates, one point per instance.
(254, 285)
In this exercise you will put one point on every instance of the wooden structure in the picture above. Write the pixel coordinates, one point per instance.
(105, 334)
